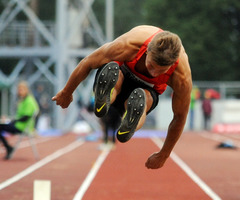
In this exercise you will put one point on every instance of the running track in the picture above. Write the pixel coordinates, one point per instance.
(77, 169)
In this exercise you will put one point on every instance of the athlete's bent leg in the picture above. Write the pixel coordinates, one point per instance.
(106, 87)
(138, 104)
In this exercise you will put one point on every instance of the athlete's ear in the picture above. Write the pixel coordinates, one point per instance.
(147, 50)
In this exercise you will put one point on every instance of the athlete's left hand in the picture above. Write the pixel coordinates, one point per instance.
(155, 161)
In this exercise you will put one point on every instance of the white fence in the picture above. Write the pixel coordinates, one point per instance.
(225, 111)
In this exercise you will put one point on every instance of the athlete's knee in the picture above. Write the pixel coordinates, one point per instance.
(119, 83)
(151, 100)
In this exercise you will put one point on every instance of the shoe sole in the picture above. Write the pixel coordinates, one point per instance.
(135, 107)
(105, 83)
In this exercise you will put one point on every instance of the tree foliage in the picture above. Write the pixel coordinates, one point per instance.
(127, 14)
(210, 32)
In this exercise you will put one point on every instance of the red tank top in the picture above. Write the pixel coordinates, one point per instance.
(159, 83)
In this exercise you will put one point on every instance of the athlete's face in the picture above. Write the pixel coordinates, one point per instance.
(153, 68)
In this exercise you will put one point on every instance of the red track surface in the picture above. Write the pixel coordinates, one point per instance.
(123, 174)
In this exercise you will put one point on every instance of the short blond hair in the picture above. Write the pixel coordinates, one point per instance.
(165, 48)
(24, 85)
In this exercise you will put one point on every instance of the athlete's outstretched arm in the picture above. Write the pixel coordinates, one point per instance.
(115, 50)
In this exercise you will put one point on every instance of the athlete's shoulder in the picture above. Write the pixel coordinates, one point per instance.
(146, 27)
(126, 46)
(144, 30)
(139, 34)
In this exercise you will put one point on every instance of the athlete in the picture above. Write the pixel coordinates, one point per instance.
(133, 70)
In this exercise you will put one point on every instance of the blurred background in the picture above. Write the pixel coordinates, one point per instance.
(42, 41)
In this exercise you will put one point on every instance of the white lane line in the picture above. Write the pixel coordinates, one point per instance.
(189, 172)
(91, 175)
(26, 143)
(41, 163)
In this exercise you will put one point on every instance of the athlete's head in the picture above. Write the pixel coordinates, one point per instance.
(165, 48)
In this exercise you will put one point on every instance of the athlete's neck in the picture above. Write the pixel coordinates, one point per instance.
(141, 68)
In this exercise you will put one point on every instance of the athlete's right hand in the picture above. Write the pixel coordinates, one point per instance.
(62, 99)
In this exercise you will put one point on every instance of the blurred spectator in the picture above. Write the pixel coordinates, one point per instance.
(110, 123)
(27, 107)
(207, 111)
(42, 97)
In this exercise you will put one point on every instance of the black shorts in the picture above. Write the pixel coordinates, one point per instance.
(130, 83)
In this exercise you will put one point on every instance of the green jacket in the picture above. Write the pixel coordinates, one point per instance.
(26, 107)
